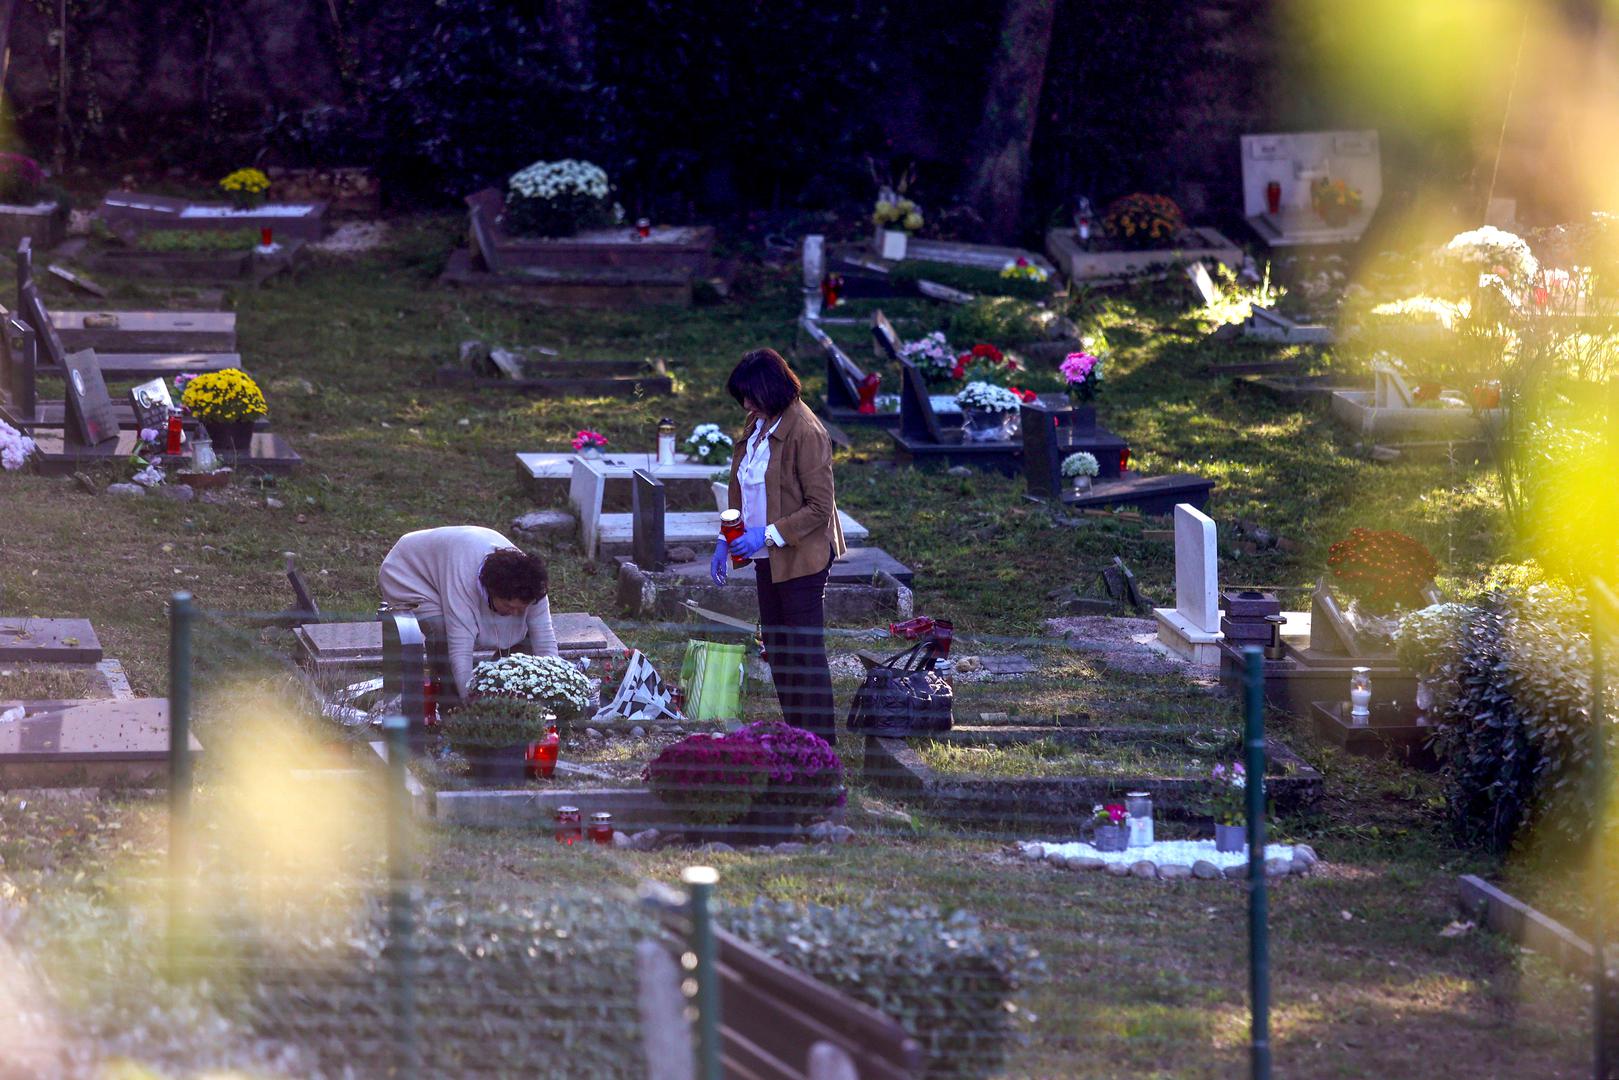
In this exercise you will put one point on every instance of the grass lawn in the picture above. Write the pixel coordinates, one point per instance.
(1145, 978)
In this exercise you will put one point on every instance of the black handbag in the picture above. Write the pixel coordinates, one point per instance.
(903, 695)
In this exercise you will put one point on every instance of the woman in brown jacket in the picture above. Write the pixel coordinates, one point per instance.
(781, 480)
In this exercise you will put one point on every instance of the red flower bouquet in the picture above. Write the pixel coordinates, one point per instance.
(1384, 570)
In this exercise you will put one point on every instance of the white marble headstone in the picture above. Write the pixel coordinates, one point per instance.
(1389, 389)
(814, 260)
(585, 491)
(1197, 556)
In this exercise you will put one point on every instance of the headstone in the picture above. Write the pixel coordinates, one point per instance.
(1196, 569)
(1389, 389)
(59, 641)
(507, 363)
(814, 260)
(1293, 161)
(483, 241)
(21, 361)
(48, 340)
(843, 375)
(647, 504)
(1042, 457)
(1330, 631)
(78, 281)
(88, 407)
(585, 491)
(300, 588)
(916, 417)
(884, 336)
(1203, 283)
(153, 404)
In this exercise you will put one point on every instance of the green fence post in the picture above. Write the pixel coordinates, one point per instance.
(1604, 621)
(182, 616)
(401, 945)
(700, 882)
(1258, 920)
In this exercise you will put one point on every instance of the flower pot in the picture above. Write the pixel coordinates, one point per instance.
(892, 243)
(1230, 837)
(497, 764)
(988, 425)
(1110, 837)
(592, 453)
(232, 436)
(1082, 485)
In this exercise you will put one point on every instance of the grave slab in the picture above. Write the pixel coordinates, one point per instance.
(359, 644)
(98, 742)
(269, 453)
(1394, 730)
(141, 212)
(30, 640)
(147, 331)
(1081, 262)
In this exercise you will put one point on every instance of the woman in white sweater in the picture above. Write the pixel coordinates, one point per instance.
(469, 588)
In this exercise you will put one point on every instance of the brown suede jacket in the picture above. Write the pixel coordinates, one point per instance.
(798, 493)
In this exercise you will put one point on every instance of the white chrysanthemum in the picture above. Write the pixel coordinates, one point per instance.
(988, 397)
(15, 447)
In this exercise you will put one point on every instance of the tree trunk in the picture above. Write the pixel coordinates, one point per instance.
(1011, 108)
(8, 12)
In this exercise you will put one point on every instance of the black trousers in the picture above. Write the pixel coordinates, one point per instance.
(793, 617)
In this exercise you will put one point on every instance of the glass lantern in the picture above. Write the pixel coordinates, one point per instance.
(1360, 696)
(1138, 808)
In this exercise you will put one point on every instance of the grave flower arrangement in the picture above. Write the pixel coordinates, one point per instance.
(710, 779)
(15, 448)
(1492, 251)
(1082, 463)
(1108, 814)
(225, 397)
(557, 198)
(1228, 794)
(495, 723)
(987, 397)
(20, 180)
(1082, 373)
(245, 188)
(1109, 830)
(1021, 269)
(1143, 221)
(805, 775)
(589, 440)
(1334, 200)
(549, 680)
(1382, 570)
(985, 363)
(896, 212)
(708, 443)
(932, 356)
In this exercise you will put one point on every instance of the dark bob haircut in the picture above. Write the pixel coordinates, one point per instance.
(509, 574)
(765, 377)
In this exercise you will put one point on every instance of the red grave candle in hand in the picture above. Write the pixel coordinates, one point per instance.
(731, 527)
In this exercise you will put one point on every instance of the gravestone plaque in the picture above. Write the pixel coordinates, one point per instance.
(101, 740)
(483, 241)
(586, 489)
(1196, 569)
(88, 406)
(1389, 389)
(647, 505)
(78, 281)
(153, 404)
(63, 641)
(1042, 465)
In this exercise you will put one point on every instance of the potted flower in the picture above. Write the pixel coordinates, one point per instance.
(500, 736)
(1228, 802)
(557, 199)
(895, 217)
(1082, 373)
(1143, 221)
(1489, 251)
(804, 780)
(245, 188)
(989, 412)
(1021, 269)
(1081, 468)
(227, 403)
(932, 357)
(707, 443)
(549, 680)
(1383, 572)
(1109, 831)
(1334, 201)
(589, 444)
(709, 779)
(15, 448)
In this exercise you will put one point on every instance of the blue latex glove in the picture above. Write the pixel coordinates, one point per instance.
(749, 543)
(716, 565)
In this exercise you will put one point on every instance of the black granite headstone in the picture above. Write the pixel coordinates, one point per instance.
(647, 503)
(916, 417)
(1330, 631)
(1042, 460)
(17, 356)
(89, 409)
(48, 340)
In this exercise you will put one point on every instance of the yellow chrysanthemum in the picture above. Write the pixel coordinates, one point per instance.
(225, 396)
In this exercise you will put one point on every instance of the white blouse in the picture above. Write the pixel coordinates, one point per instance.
(750, 477)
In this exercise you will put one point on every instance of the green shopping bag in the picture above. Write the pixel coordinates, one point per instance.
(711, 676)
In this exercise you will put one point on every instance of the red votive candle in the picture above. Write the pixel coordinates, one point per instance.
(568, 828)
(731, 527)
(1124, 460)
(173, 446)
(264, 236)
(643, 227)
(1273, 197)
(601, 828)
(868, 393)
(541, 756)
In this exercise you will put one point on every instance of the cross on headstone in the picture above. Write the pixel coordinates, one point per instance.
(1197, 556)
(647, 502)
(89, 408)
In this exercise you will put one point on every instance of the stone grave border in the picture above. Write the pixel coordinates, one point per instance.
(1314, 390)
(114, 682)
(249, 267)
(1301, 863)
(1497, 910)
(1197, 243)
(649, 594)
(894, 765)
